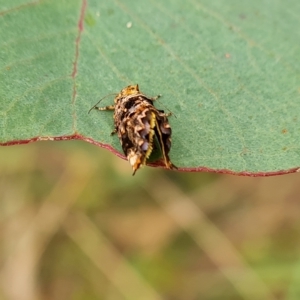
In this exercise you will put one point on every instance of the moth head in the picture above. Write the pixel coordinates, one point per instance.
(130, 90)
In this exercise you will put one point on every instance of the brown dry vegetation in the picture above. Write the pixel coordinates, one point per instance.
(76, 225)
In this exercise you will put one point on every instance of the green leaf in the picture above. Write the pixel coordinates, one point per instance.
(228, 70)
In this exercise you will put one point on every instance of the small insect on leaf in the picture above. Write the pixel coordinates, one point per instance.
(140, 126)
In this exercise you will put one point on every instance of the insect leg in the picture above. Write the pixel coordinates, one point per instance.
(114, 131)
(109, 107)
(166, 114)
(155, 98)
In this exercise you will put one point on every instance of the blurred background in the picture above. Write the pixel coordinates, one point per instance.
(76, 225)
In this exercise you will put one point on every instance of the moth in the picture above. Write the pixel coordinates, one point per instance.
(140, 126)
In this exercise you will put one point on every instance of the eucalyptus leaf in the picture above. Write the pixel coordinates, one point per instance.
(229, 71)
